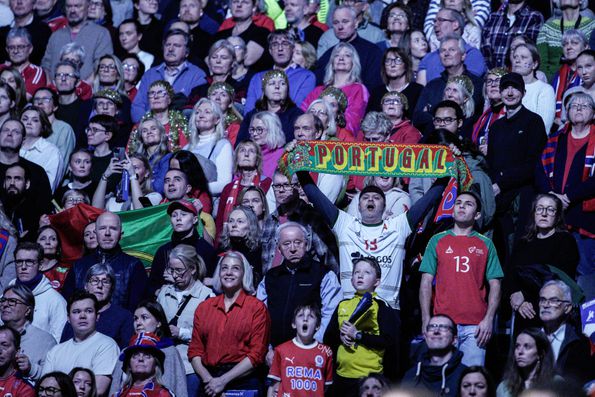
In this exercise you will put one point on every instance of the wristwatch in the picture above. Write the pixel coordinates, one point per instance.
(358, 336)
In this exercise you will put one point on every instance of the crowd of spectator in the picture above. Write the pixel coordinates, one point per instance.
(311, 284)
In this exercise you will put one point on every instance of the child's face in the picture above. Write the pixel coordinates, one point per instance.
(305, 324)
(364, 277)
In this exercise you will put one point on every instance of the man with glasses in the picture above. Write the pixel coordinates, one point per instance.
(16, 307)
(93, 37)
(298, 279)
(50, 307)
(113, 321)
(72, 109)
(19, 48)
(87, 348)
(439, 367)
(11, 380)
(514, 145)
(131, 278)
(449, 23)
(281, 45)
(570, 347)
(290, 207)
(182, 75)
(452, 58)
(24, 17)
(459, 260)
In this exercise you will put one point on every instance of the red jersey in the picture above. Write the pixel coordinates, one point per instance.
(461, 263)
(302, 370)
(14, 386)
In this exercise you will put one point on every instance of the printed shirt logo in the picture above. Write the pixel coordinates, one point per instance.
(449, 250)
(319, 360)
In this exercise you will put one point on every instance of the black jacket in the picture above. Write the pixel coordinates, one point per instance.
(286, 289)
(443, 379)
(574, 360)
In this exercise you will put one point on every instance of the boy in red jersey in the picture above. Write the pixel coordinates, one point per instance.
(302, 366)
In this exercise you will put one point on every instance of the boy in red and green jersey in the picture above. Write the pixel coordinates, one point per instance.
(467, 273)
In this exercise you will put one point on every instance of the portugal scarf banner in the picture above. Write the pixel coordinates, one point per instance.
(383, 159)
(375, 158)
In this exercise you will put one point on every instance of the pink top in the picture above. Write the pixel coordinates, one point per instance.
(357, 101)
(270, 158)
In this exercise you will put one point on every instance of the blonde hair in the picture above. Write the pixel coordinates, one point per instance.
(219, 127)
(247, 280)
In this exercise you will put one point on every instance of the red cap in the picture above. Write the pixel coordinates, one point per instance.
(183, 205)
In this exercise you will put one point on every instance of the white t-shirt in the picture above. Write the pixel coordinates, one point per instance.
(385, 242)
(99, 353)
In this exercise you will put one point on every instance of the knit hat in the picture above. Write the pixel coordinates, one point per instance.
(183, 205)
(512, 80)
(145, 341)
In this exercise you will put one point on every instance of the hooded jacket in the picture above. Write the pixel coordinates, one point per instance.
(442, 379)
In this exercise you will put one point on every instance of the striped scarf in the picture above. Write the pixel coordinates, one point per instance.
(548, 158)
(566, 78)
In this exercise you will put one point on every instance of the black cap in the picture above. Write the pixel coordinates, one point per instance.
(512, 79)
(373, 189)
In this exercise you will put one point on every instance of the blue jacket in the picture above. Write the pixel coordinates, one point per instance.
(131, 277)
(301, 83)
(474, 62)
(190, 76)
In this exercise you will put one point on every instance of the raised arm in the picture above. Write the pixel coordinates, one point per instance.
(421, 207)
(318, 199)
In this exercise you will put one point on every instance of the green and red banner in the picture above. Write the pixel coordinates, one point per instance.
(379, 159)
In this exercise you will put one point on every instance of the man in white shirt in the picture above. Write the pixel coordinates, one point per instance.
(88, 348)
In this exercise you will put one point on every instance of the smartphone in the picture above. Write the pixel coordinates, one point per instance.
(120, 153)
(145, 202)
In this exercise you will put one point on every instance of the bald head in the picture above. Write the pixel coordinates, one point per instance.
(109, 230)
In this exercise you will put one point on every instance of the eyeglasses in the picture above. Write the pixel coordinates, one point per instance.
(139, 355)
(25, 262)
(276, 44)
(175, 272)
(94, 281)
(10, 302)
(64, 76)
(127, 66)
(41, 101)
(157, 94)
(444, 120)
(92, 130)
(397, 16)
(548, 210)
(75, 200)
(255, 130)
(14, 48)
(438, 327)
(393, 61)
(284, 186)
(553, 302)
(579, 106)
(493, 82)
(391, 102)
(110, 68)
(441, 20)
(48, 391)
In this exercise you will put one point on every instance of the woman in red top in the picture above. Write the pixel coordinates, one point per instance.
(51, 266)
(231, 331)
(143, 363)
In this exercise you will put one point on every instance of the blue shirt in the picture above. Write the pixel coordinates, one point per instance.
(301, 83)
(474, 62)
(189, 77)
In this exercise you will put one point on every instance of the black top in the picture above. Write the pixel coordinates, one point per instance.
(76, 115)
(257, 35)
(152, 37)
